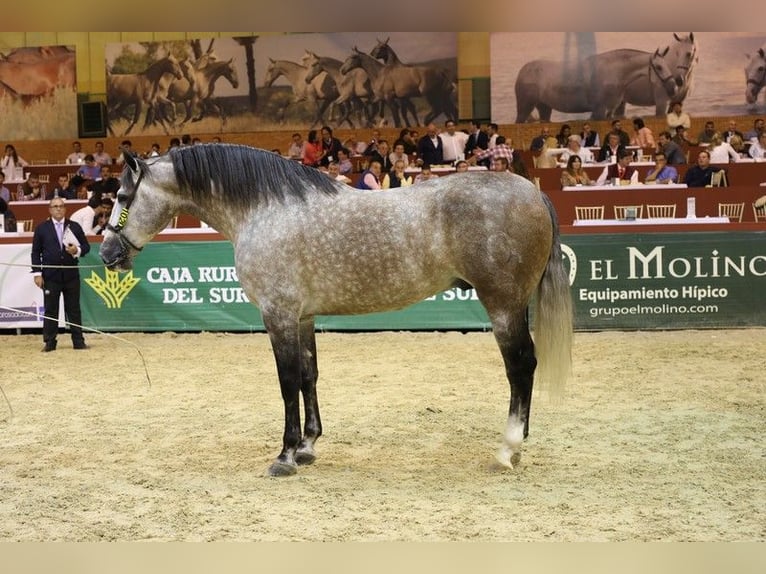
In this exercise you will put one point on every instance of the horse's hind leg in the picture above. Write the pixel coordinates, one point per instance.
(512, 335)
(312, 427)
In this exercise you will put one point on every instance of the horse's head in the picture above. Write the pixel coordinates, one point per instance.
(142, 210)
(311, 61)
(381, 51)
(171, 65)
(351, 62)
(755, 75)
(660, 66)
(230, 73)
(682, 58)
(272, 73)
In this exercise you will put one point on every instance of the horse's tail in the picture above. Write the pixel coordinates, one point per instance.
(553, 318)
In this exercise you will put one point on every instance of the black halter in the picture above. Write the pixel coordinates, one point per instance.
(117, 229)
(653, 68)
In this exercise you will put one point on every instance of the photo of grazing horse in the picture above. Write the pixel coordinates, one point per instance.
(319, 93)
(755, 75)
(354, 89)
(137, 90)
(307, 245)
(603, 83)
(374, 70)
(402, 80)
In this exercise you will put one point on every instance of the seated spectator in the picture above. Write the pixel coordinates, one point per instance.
(732, 131)
(642, 135)
(89, 217)
(406, 139)
(672, 151)
(622, 170)
(101, 157)
(77, 155)
(574, 147)
(758, 128)
(461, 166)
(624, 137)
(589, 137)
(372, 146)
(758, 149)
(661, 172)
(738, 145)
(682, 138)
(562, 138)
(106, 185)
(574, 174)
(295, 151)
(9, 218)
(312, 149)
(501, 164)
(700, 175)
(381, 155)
(64, 188)
(345, 166)
(425, 174)
(706, 135)
(12, 159)
(370, 177)
(333, 170)
(399, 155)
(677, 117)
(126, 146)
(154, 152)
(396, 177)
(721, 151)
(611, 148)
(5, 193)
(354, 147)
(32, 189)
(90, 169)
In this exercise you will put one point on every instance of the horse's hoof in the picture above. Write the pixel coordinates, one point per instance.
(280, 468)
(304, 458)
(515, 459)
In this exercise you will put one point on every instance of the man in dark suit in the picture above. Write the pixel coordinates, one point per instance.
(430, 147)
(56, 246)
(478, 138)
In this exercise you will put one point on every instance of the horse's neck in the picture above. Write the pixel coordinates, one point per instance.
(332, 67)
(295, 73)
(370, 65)
(391, 58)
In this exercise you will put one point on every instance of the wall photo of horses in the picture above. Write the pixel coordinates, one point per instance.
(563, 76)
(280, 82)
(38, 93)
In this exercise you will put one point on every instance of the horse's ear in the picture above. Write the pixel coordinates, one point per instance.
(131, 161)
(761, 53)
(657, 52)
(387, 39)
(665, 53)
(691, 36)
(272, 60)
(676, 37)
(210, 47)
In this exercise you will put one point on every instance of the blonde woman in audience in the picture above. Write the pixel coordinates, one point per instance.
(574, 174)
(738, 144)
(720, 151)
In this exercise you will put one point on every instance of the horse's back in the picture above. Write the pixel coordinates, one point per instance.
(552, 84)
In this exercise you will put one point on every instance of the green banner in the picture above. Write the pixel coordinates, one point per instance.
(621, 281)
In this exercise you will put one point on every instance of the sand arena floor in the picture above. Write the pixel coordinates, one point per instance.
(661, 437)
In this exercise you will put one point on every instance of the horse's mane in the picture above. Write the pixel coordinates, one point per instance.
(244, 174)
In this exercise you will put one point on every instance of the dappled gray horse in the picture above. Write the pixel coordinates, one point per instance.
(307, 245)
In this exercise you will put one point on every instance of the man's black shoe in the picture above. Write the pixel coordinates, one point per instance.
(50, 346)
(80, 346)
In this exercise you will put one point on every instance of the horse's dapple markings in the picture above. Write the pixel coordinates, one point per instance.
(306, 245)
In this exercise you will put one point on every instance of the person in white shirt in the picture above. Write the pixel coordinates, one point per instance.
(494, 131)
(453, 143)
(399, 155)
(86, 216)
(574, 147)
(757, 151)
(101, 157)
(295, 151)
(721, 151)
(77, 154)
(676, 117)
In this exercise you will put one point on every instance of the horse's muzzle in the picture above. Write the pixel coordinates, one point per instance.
(114, 255)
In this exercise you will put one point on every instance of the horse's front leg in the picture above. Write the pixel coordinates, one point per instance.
(285, 342)
(312, 428)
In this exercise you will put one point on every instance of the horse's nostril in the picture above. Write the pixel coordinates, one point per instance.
(679, 82)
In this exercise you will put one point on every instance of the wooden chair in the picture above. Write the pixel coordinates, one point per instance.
(44, 178)
(619, 211)
(27, 225)
(718, 179)
(589, 212)
(731, 210)
(759, 212)
(668, 210)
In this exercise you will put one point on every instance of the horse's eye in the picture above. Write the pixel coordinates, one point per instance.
(122, 198)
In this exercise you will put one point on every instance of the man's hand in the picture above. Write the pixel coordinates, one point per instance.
(39, 281)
